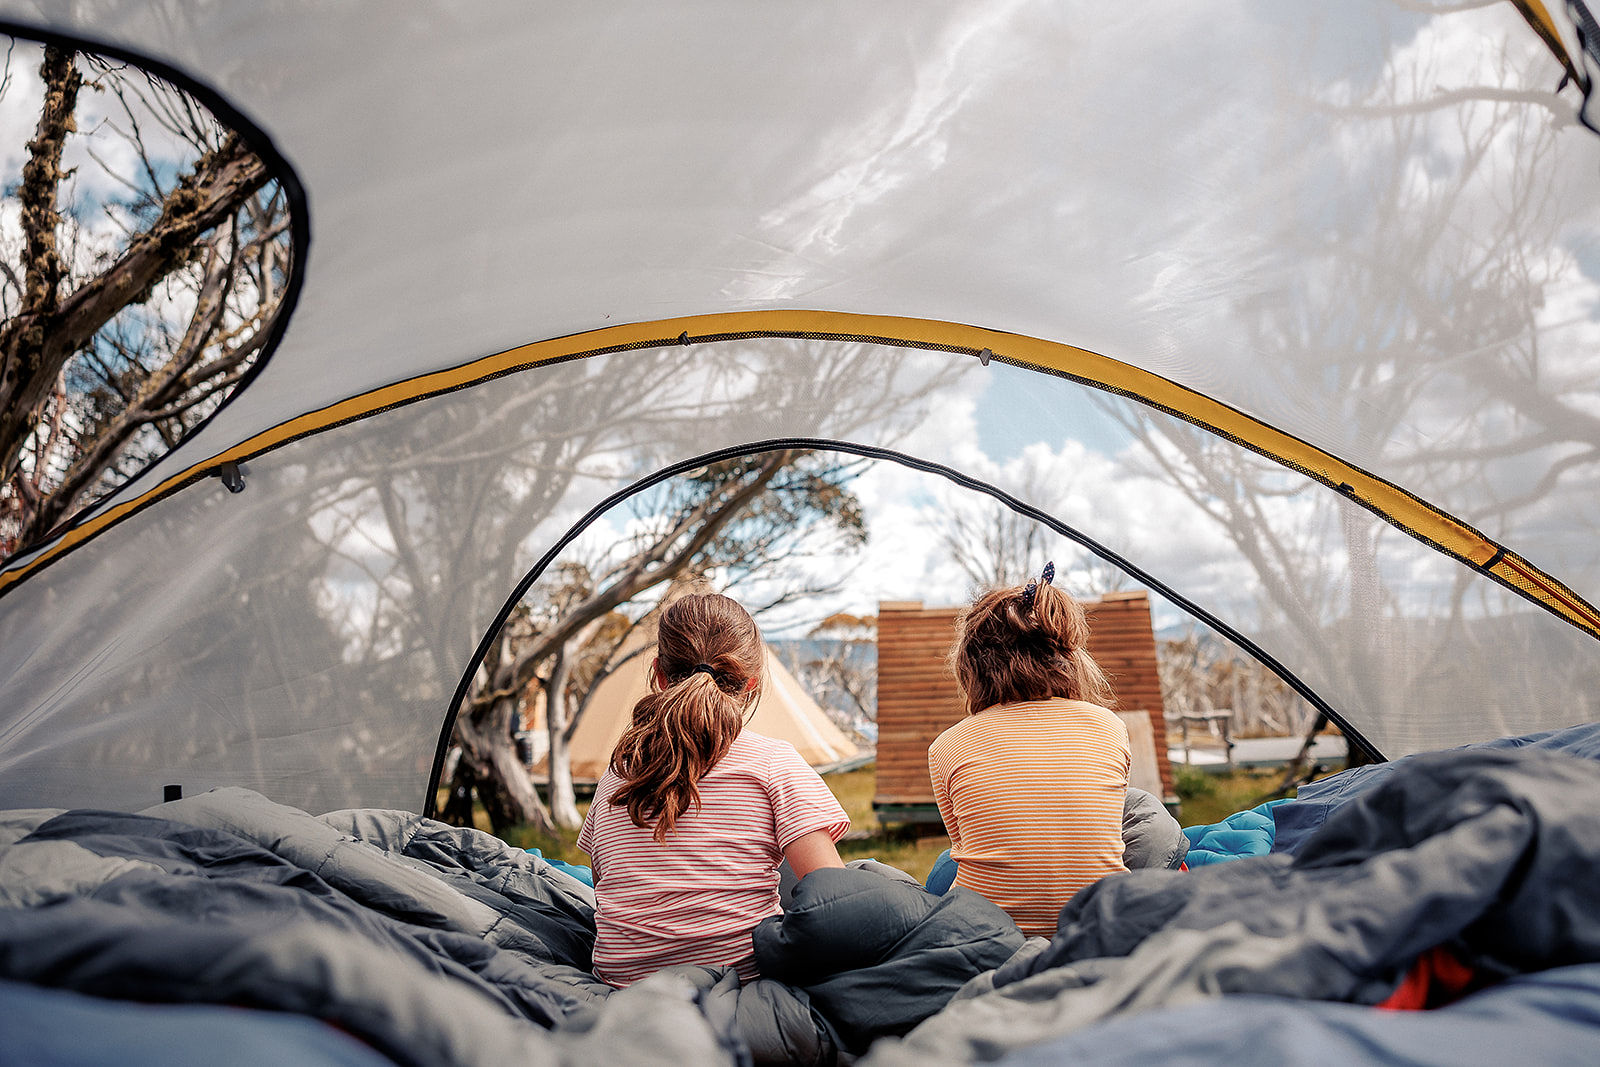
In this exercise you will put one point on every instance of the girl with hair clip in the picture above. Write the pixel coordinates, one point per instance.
(1032, 783)
(695, 813)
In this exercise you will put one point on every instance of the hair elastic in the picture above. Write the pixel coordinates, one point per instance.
(1046, 576)
(707, 668)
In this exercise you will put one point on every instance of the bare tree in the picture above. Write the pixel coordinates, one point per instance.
(1202, 673)
(1448, 297)
(838, 664)
(128, 318)
(746, 517)
(995, 546)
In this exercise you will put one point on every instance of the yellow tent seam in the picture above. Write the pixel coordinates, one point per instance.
(1538, 17)
(1401, 508)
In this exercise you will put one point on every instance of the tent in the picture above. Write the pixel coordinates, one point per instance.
(1306, 296)
(785, 711)
(1322, 277)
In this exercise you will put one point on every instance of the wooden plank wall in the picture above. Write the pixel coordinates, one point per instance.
(917, 692)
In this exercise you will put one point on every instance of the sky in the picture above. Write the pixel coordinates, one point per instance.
(1073, 462)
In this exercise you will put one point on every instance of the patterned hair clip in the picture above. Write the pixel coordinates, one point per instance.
(1046, 576)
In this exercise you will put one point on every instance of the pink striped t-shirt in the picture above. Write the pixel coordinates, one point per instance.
(695, 897)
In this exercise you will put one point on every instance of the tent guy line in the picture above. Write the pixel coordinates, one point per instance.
(1405, 511)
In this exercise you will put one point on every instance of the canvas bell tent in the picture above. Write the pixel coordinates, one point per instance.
(785, 710)
(1313, 288)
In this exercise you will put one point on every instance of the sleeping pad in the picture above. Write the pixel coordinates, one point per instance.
(1487, 855)
(439, 945)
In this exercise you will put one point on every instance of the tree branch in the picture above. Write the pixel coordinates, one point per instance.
(661, 562)
(37, 343)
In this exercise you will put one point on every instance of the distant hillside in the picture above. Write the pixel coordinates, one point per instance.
(831, 670)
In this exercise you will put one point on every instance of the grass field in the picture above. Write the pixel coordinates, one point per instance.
(898, 846)
(1205, 798)
(868, 838)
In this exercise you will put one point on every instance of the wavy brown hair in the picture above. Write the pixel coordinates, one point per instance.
(1007, 650)
(681, 729)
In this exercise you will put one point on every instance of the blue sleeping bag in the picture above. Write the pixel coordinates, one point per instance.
(1244, 833)
(1316, 800)
(582, 874)
(1281, 825)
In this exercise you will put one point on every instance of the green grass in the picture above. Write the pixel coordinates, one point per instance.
(1205, 798)
(854, 791)
(563, 846)
(898, 846)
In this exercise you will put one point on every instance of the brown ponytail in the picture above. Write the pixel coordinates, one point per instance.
(707, 652)
(1011, 647)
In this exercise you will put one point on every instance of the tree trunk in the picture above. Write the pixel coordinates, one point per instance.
(37, 342)
(457, 810)
(563, 798)
(26, 378)
(502, 782)
(1299, 770)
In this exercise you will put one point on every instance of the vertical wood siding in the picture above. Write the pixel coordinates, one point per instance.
(917, 693)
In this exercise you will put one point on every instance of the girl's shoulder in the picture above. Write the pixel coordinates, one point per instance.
(604, 790)
(1084, 707)
(759, 755)
(1083, 713)
(1017, 716)
(751, 747)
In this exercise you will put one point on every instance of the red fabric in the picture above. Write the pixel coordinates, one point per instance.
(1436, 979)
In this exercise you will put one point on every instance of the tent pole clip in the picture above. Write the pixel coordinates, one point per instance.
(232, 478)
(985, 356)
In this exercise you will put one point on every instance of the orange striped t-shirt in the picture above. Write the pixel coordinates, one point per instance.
(1032, 796)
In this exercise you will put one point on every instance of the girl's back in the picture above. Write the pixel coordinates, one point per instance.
(705, 888)
(694, 814)
(1031, 785)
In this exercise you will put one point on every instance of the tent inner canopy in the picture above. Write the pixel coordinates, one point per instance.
(304, 637)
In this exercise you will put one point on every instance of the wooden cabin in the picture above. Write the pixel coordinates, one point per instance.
(917, 696)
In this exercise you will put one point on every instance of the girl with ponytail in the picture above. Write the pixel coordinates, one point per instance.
(1032, 783)
(695, 813)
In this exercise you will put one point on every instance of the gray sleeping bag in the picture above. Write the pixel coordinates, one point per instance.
(438, 945)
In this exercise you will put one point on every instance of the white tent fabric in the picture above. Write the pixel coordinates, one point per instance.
(1374, 229)
(785, 711)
